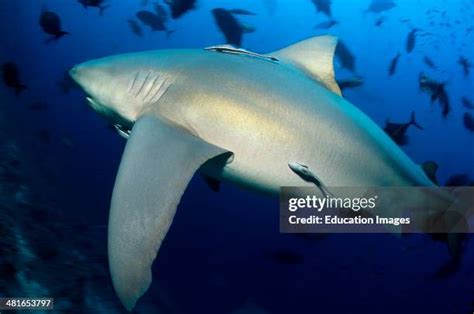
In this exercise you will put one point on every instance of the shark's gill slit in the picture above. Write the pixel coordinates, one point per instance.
(132, 85)
(160, 90)
(153, 84)
(143, 84)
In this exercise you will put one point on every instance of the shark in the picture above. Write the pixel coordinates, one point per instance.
(260, 121)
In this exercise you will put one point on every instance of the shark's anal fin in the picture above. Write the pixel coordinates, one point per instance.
(158, 162)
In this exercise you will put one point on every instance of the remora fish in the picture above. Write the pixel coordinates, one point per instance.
(234, 117)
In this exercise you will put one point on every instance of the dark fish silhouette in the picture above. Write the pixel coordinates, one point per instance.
(378, 6)
(51, 24)
(352, 82)
(160, 11)
(345, 57)
(323, 6)
(468, 121)
(437, 92)
(429, 63)
(155, 22)
(397, 131)
(326, 25)
(393, 65)
(241, 12)
(100, 4)
(11, 77)
(467, 103)
(411, 40)
(179, 7)
(466, 65)
(379, 21)
(460, 179)
(229, 26)
(135, 27)
(285, 256)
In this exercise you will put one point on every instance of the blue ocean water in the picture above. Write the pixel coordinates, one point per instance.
(217, 257)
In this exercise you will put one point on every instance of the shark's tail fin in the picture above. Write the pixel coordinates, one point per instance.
(455, 220)
(414, 122)
(455, 243)
(61, 34)
(56, 37)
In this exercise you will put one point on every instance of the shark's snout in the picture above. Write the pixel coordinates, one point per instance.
(86, 76)
(105, 89)
(74, 73)
(90, 76)
(78, 74)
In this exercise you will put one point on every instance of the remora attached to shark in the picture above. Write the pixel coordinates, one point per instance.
(235, 116)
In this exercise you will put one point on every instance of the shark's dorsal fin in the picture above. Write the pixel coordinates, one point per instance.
(315, 56)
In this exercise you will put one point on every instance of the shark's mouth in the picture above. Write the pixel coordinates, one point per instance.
(94, 104)
(122, 130)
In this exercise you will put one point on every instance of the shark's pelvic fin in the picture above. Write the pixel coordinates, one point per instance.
(316, 57)
(157, 165)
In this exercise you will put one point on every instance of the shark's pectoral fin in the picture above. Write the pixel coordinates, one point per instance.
(157, 165)
(315, 56)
